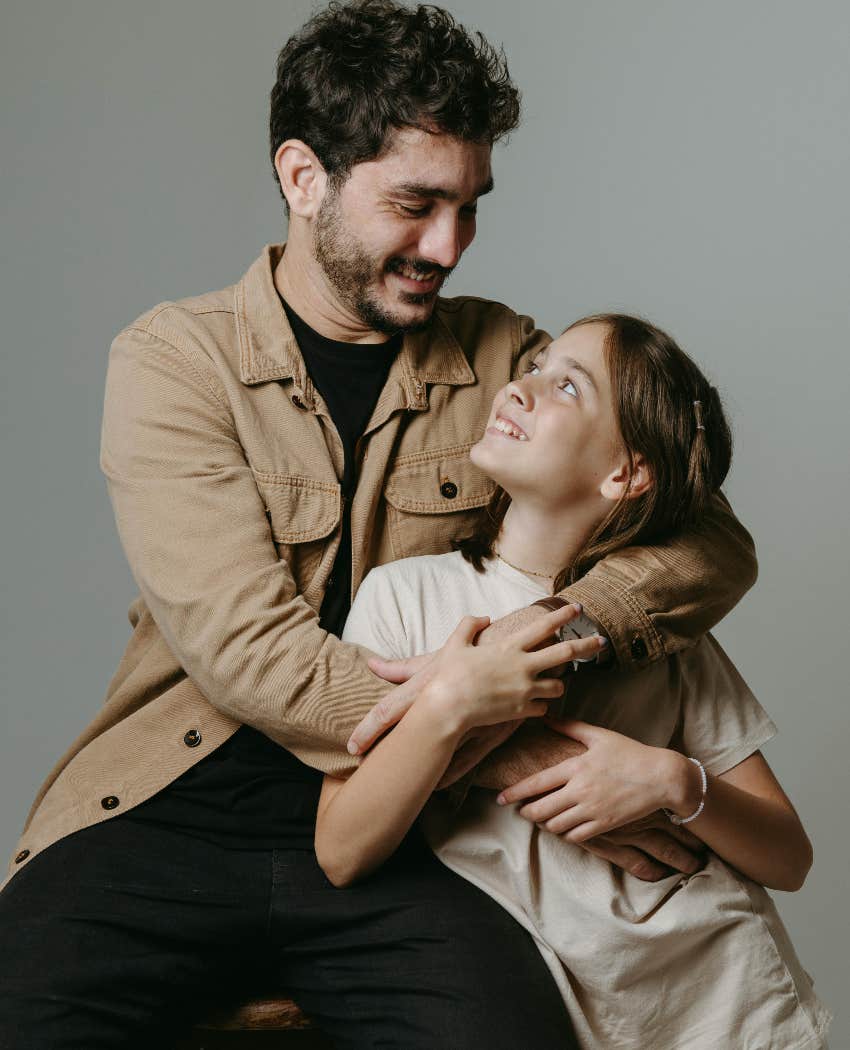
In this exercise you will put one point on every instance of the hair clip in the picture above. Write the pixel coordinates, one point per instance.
(698, 414)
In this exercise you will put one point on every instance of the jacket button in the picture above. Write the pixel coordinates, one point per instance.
(110, 802)
(448, 489)
(638, 649)
(192, 738)
(22, 856)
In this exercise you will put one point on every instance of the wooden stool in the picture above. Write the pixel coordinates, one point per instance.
(257, 1025)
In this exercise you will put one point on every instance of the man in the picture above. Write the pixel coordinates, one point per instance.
(265, 446)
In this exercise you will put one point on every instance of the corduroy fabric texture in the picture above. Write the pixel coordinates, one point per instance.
(223, 469)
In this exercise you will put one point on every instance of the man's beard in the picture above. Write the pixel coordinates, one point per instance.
(352, 272)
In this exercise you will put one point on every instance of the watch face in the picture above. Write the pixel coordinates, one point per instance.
(581, 627)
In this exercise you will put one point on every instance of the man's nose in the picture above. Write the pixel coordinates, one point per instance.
(441, 242)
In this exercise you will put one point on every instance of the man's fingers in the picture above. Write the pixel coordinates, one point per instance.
(626, 857)
(663, 847)
(687, 838)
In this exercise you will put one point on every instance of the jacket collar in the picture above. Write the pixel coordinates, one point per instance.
(268, 350)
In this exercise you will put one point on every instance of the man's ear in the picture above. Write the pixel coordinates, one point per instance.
(616, 485)
(302, 177)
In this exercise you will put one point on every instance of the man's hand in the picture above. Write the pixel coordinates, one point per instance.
(650, 849)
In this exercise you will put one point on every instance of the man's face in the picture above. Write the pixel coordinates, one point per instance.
(388, 237)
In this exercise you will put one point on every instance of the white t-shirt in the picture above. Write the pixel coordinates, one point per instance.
(688, 963)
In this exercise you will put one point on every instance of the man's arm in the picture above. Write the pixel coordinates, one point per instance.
(653, 601)
(197, 538)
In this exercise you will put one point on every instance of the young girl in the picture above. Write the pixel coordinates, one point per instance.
(613, 437)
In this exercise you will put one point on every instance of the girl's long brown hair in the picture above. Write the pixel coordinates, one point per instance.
(687, 447)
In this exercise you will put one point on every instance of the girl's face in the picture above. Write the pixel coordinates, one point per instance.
(552, 436)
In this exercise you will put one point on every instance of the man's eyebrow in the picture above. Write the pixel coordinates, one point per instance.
(422, 189)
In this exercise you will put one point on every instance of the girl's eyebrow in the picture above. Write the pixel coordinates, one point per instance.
(571, 363)
(576, 366)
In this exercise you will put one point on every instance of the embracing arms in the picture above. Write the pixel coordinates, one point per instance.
(747, 818)
(361, 821)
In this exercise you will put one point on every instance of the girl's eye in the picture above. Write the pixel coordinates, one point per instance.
(569, 388)
(531, 367)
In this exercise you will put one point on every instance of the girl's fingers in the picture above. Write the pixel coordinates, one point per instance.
(565, 652)
(582, 832)
(535, 709)
(547, 807)
(542, 628)
(468, 629)
(547, 689)
(584, 732)
(536, 784)
(398, 670)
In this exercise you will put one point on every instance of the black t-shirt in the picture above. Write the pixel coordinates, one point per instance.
(250, 793)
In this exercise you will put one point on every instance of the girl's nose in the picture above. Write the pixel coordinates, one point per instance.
(519, 391)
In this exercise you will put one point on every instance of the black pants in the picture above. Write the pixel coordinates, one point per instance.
(124, 934)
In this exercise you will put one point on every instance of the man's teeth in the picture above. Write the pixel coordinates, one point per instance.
(415, 275)
(510, 429)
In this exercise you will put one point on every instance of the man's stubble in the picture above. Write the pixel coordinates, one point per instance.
(353, 272)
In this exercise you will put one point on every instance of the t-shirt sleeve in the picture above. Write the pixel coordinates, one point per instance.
(722, 722)
(376, 618)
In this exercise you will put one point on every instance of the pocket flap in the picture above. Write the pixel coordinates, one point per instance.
(300, 509)
(438, 483)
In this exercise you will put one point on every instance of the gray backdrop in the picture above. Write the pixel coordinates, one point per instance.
(681, 159)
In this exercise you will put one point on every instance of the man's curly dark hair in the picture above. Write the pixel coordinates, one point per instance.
(357, 71)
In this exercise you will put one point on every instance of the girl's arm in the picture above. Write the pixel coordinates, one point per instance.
(361, 821)
(747, 819)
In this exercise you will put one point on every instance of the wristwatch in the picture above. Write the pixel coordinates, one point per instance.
(580, 626)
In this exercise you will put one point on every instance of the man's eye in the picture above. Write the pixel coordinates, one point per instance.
(470, 212)
(414, 212)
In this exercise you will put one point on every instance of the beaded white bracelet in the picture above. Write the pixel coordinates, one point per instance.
(674, 818)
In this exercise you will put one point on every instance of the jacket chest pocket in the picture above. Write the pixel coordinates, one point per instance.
(433, 498)
(304, 516)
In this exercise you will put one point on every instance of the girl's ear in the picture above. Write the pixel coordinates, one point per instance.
(617, 484)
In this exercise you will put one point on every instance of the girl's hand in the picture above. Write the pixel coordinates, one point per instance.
(614, 782)
(480, 686)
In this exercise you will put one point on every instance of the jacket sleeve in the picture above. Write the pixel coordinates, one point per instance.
(194, 528)
(653, 601)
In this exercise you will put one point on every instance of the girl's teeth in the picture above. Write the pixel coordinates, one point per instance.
(506, 428)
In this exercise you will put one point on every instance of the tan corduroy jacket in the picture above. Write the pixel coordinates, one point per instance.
(223, 468)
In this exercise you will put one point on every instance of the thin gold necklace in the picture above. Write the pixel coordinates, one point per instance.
(529, 572)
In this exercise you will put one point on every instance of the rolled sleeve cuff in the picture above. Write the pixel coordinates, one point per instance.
(634, 639)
